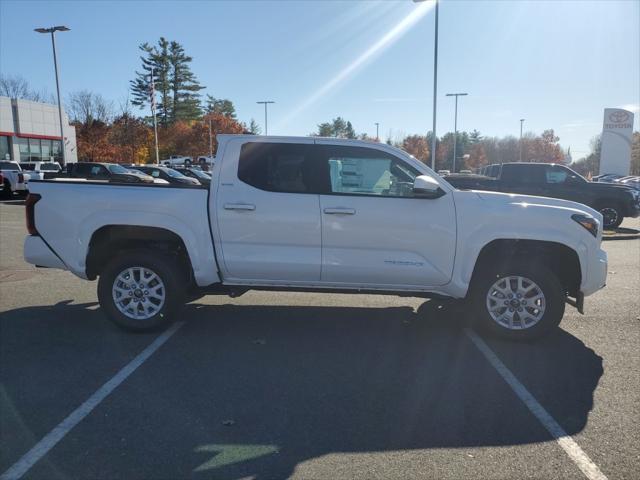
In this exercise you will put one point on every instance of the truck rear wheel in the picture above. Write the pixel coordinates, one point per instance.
(519, 301)
(140, 291)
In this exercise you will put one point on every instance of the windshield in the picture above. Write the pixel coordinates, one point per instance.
(173, 173)
(200, 174)
(10, 166)
(117, 169)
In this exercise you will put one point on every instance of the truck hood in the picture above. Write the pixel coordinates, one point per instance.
(524, 201)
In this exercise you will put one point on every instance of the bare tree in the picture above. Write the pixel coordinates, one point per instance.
(86, 107)
(15, 86)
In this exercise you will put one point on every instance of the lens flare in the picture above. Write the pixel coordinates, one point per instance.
(387, 39)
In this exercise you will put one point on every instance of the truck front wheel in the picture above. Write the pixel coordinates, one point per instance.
(518, 302)
(140, 291)
(611, 216)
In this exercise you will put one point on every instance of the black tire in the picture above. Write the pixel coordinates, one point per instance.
(612, 215)
(546, 281)
(168, 271)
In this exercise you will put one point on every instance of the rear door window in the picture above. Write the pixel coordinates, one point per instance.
(523, 174)
(282, 167)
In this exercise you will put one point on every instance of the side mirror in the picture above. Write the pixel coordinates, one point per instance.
(426, 187)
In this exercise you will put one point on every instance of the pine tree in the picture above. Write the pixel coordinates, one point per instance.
(219, 105)
(175, 83)
(254, 127)
(184, 85)
(156, 59)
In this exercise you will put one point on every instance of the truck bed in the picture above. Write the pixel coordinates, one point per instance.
(69, 213)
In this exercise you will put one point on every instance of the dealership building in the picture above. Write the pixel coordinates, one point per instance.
(30, 131)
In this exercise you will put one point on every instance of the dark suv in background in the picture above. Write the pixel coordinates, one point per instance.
(613, 201)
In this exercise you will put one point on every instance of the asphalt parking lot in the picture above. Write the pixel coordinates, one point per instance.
(277, 385)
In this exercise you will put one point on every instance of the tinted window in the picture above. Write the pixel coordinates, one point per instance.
(520, 173)
(9, 166)
(556, 175)
(560, 174)
(365, 171)
(282, 167)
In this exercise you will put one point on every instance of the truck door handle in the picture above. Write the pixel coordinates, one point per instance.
(340, 211)
(239, 206)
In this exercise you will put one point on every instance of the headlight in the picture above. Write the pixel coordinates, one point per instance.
(589, 223)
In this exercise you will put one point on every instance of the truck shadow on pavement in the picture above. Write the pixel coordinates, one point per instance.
(302, 382)
(256, 390)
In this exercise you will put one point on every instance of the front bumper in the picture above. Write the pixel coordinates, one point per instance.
(595, 276)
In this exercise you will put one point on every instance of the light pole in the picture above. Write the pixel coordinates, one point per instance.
(521, 122)
(455, 128)
(52, 30)
(265, 102)
(377, 132)
(435, 85)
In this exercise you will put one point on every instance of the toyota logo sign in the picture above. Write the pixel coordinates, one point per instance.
(619, 116)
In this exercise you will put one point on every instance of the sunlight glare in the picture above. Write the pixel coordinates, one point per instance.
(388, 39)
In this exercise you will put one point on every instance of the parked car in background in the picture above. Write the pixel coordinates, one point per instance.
(203, 177)
(41, 170)
(111, 172)
(176, 160)
(443, 173)
(607, 178)
(169, 174)
(633, 182)
(14, 180)
(325, 215)
(205, 161)
(614, 201)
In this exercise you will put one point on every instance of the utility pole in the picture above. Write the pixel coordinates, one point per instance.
(153, 111)
(377, 132)
(210, 142)
(435, 85)
(521, 122)
(52, 30)
(265, 102)
(455, 128)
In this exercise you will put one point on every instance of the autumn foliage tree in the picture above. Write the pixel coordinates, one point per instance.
(417, 146)
(191, 138)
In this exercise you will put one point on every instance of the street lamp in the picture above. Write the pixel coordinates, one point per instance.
(265, 102)
(455, 128)
(435, 86)
(521, 122)
(377, 132)
(52, 30)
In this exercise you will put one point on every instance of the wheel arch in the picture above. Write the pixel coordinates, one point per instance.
(110, 239)
(563, 260)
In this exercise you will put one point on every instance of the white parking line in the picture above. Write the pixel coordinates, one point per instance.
(571, 448)
(50, 440)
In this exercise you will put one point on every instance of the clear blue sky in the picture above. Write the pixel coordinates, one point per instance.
(556, 63)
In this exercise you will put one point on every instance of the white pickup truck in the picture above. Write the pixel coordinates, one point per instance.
(324, 215)
(13, 178)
